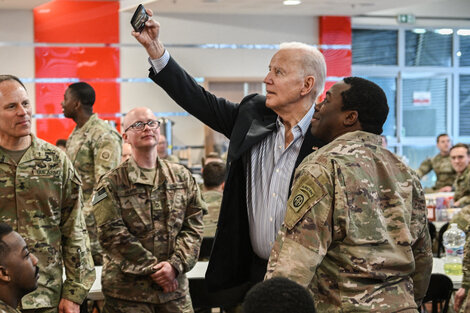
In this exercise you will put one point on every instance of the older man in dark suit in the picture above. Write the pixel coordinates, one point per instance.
(269, 137)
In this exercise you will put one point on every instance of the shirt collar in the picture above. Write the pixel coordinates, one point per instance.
(303, 124)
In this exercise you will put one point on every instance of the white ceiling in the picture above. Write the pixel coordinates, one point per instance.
(420, 8)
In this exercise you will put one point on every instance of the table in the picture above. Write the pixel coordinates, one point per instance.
(198, 272)
(438, 268)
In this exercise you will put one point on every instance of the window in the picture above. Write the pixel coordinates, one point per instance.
(464, 95)
(428, 47)
(424, 107)
(389, 86)
(374, 47)
(415, 155)
(464, 51)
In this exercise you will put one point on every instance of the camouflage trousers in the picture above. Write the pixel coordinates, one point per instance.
(45, 310)
(181, 305)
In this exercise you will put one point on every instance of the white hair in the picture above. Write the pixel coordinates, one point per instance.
(313, 63)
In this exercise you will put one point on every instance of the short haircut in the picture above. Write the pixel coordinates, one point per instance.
(370, 102)
(213, 174)
(61, 142)
(313, 63)
(5, 229)
(83, 92)
(278, 295)
(461, 145)
(8, 77)
(441, 135)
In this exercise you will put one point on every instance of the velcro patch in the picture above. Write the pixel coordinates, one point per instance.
(99, 196)
(306, 193)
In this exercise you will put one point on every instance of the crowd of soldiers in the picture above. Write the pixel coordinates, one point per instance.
(307, 193)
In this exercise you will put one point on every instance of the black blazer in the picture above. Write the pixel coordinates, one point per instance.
(245, 124)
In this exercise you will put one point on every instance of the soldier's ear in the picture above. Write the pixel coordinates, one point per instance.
(351, 118)
(4, 275)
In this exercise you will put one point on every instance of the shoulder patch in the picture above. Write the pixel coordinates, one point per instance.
(306, 193)
(99, 195)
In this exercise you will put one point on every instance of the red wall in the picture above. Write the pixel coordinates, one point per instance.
(77, 37)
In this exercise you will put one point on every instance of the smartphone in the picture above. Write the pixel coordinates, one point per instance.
(139, 18)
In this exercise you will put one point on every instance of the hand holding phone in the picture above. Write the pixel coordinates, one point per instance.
(139, 18)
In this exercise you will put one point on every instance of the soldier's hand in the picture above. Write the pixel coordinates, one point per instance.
(148, 37)
(458, 299)
(67, 306)
(446, 189)
(165, 274)
(170, 287)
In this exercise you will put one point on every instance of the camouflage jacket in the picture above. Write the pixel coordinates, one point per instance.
(355, 231)
(41, 199)
(462, 188)
(466, 265)
(5, 308)
(462, 219)
(445, 173)
(214, 200)
(141, 223)
(94, 150)
(172, 158)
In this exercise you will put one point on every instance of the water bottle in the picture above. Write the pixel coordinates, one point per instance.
(454, 241)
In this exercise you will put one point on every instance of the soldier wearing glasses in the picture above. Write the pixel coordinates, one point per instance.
(149, 217)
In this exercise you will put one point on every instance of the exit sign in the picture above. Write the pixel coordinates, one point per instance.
(406, 19)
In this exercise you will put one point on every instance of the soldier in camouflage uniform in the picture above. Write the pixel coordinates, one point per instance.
(440, 163)
(40, 197)
(462, 219)
(460, 158)
(162, 149)
(461, 296)
(94, 147)
(18, 269)
(213, 175)
(149, 217)
(355, 231)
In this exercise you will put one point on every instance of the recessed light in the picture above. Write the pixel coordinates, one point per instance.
(444, 31)
(291, 2)
(463, 32)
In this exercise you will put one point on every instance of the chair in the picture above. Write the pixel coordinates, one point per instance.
(439, 292)
(440, 245)
(432, 230)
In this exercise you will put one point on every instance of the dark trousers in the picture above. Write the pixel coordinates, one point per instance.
(257, 269)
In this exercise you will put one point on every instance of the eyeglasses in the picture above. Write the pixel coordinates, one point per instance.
(141, 125)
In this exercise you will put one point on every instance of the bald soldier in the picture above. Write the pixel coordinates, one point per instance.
(41, 199)
(149, 217)
(94, 147)
(355, 231)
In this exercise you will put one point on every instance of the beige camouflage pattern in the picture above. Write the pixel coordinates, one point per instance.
(94, 150)
(171, 158)
(445, 173)
(180, 305)
(466, 274)
(41, 199)
(355, 231)
(5, 308)
(462, 219)
(141, 223)
(213, 200)
(462, 188)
